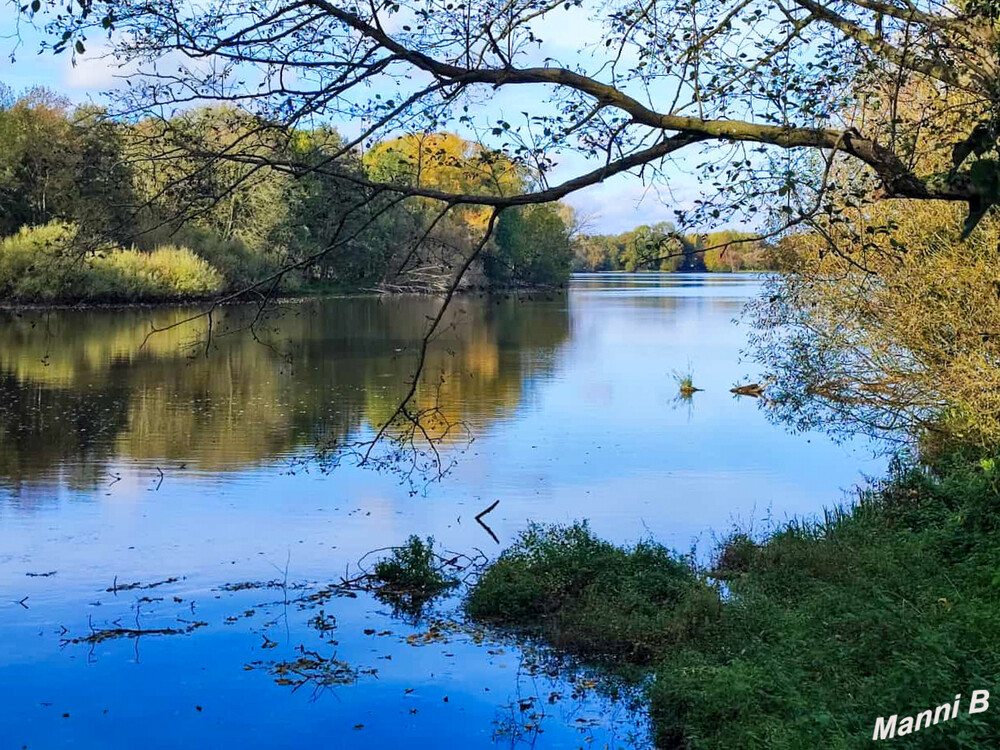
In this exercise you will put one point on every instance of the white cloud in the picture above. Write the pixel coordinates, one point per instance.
(95, 70)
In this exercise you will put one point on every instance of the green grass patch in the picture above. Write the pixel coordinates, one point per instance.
(592, 597)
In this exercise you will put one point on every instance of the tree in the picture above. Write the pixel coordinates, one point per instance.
(770, 73)
(532, 246)
(803, 101)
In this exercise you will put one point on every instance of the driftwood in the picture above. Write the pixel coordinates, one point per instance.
(481, 522)
(754, 390)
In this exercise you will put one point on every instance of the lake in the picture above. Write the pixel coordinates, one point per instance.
(189, 470)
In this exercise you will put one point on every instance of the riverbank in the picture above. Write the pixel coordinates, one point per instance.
(801, 639)
(302, 294)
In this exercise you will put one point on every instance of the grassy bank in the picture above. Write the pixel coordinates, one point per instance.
(889, 607)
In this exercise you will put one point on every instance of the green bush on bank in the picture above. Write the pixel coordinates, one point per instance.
(592, 597)
(889, 607)
(47, 264)
(239, 265)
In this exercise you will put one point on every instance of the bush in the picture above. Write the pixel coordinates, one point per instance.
(50, 263)
(41, 264)
(735, 555)
(411, 577)
(413, 568)
(238, 264)
(592, 597)
(165, 273)
(887, 607)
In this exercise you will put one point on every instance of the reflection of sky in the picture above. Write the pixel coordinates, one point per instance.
(599, 435)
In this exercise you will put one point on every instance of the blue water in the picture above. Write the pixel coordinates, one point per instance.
(574, 414)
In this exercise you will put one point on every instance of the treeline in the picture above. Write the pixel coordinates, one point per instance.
(98, 209)
(661, 247)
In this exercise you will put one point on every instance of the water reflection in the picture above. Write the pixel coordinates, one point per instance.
(80, 389)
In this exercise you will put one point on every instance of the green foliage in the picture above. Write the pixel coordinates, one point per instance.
(50, 264)
(888, 607)
(166, 273)
(685, 381)
(39, 263)
(413, 568)
(658, 247)
(238, 264)
(157, 182)
(592, 597)
(61, 164)
(984, 173)
(734, 556)
(661, 247)
(532, 246)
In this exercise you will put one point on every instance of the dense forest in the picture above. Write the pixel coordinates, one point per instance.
(100, 209)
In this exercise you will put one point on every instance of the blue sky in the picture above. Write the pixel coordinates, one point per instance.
(614, 206)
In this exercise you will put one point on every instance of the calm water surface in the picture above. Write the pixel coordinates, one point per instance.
(575, 415)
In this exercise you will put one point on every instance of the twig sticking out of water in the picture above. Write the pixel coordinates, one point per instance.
(479, 520)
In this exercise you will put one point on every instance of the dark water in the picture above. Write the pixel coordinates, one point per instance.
(575, 415)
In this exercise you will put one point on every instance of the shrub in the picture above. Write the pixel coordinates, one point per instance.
(50, 263)
(734, 556)
(41, 264)
(411, 577)
(165, 273)
(413, 568)
(237, 262)
(886, 607)
(591, 596)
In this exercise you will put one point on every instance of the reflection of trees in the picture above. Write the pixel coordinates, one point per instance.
(81, 388)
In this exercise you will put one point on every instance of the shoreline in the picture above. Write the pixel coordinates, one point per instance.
(291, 298)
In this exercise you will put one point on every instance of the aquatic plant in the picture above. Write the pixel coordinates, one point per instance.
(413, 568)
(411, 577)
(685, 382)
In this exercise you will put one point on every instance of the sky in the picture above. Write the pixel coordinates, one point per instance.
(615, 206)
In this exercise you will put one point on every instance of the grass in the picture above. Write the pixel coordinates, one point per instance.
(685, 382)
(889, 606)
